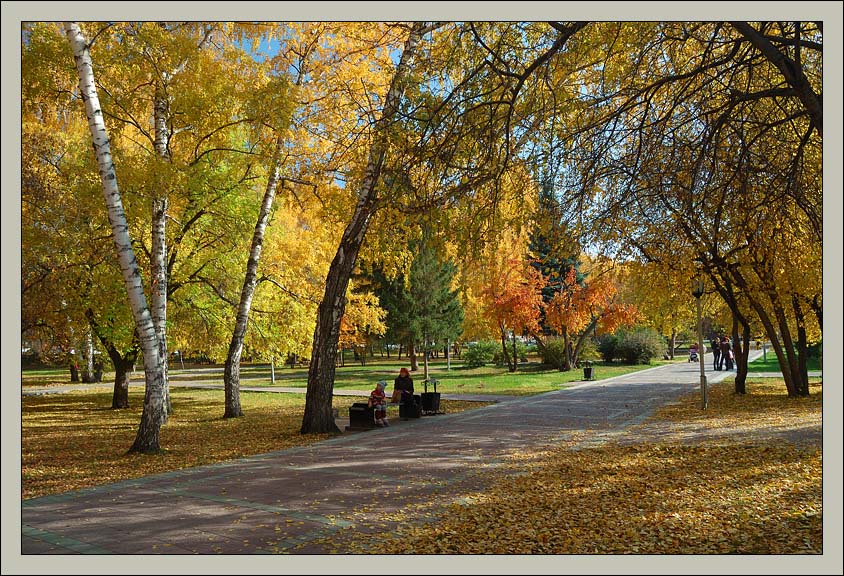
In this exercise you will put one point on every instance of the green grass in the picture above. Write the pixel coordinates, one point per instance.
(771, 364)
(530, 378)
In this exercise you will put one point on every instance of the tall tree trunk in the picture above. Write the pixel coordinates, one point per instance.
(817, 308)
(159, 289)
(738, 351)
(231, 373)
(515, 354)
(566, 351)
(725, 287)
(506, 355)
(411, 355)
(318, 417)
(88, 356)
(672, 343)
(158, 257)
(742, 355)
(798, 381)
(575, 357)
(784, 348)
(154, 412)
(123, 363)
(802, 347)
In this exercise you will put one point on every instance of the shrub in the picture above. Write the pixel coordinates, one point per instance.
(639, 345)
(607, 347)
(480, 353)
(554, 353)
(589, 351)
(521, 352)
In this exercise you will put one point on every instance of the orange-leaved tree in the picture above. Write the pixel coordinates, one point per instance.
(579, 310)
(513, 298)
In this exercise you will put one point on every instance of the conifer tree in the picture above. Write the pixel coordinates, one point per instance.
(437, 315)
(552, 250)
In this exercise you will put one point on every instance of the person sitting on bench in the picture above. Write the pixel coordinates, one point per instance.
(403, 387)
(378, 403)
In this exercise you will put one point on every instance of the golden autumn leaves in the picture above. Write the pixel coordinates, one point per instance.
(756, 489)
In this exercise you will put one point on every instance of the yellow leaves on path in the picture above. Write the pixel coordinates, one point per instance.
(74, 440)
(757, 492)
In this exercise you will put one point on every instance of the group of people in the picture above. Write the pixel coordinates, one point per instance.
(402, 392)
(722, 353)
(723, 357)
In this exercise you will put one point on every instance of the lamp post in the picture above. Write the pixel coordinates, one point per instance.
(698, 288)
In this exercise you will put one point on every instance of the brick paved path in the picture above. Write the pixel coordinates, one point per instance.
(286, 501)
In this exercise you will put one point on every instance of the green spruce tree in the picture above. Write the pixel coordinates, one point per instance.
(553, 250)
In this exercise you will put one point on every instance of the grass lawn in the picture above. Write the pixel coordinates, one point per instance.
(771, 364)
(75, 440)
(530, 378)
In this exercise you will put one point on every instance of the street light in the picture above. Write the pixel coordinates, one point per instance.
(698, 288)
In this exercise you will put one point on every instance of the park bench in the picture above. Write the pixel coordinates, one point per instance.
(362, 415)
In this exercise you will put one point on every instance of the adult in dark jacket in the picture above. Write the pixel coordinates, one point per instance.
(716, 353)
(403, 384)
(726, 353)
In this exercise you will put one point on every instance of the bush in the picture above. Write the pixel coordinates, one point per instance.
(480, 353)
(554, 353)
(589, 351)
(607, 347)
(638, 346)
(521, 352)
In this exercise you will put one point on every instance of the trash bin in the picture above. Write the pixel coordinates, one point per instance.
(587, 371)
(431, 400)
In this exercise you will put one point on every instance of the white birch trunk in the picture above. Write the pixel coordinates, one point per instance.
(231, 374)
(159, 286)
(159, 242)
(89, 357)
(154, 414)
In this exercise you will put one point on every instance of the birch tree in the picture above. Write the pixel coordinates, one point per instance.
(154, 412)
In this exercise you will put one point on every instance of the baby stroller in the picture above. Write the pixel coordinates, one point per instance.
(693, 355)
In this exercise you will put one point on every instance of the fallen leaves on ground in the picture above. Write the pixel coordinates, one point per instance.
(75, 440)
(757, 490)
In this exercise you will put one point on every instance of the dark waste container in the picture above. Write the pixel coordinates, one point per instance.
(587, 371)
(430, 402)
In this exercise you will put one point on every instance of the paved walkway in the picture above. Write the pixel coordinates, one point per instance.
(287, 501)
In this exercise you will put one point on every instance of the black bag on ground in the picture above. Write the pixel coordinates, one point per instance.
(409, 409)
